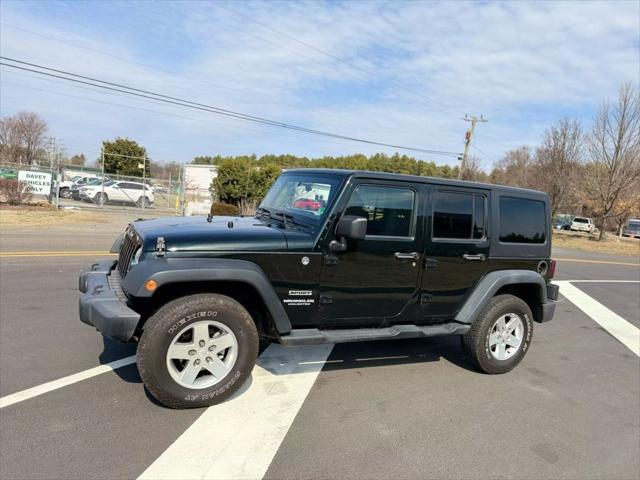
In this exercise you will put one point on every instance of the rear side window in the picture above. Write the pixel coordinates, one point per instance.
(388, 210)
(458, 215)
(522, 220)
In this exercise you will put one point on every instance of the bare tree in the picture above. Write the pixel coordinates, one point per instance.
(557, 164)
(514, 169)
(78, 160)
(628, 206)
(472, 170)
(614, 147)
(22, 138)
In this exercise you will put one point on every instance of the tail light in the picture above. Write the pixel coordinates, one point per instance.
(552, 268)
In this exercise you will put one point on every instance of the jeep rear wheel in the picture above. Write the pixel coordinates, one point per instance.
(500, 336)
(197, 351)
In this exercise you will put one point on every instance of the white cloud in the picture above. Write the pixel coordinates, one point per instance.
(522, 64)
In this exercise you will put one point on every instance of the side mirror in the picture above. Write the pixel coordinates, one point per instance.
(348, 227)
(352, 227)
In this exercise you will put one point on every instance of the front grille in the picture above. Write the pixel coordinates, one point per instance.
(130, 244)
(116, 286)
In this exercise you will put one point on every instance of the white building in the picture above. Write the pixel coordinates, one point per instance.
(197, 182)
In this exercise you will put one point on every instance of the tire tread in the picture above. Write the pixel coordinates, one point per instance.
(153, 334)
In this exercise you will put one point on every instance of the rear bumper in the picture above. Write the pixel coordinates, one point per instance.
(549, 307)
(103, 304)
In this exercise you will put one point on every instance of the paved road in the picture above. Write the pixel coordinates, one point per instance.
(400, 409)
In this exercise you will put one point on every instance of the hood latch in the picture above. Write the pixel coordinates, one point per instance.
(161, 247)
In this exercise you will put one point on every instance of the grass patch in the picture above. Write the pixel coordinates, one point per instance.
(611, 245)
(44, 216)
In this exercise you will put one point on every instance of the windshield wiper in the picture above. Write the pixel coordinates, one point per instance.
(261, 212)
(292, 222)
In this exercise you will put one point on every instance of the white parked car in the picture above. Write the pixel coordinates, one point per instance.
(118, 191)
(582, 224)
(66, 186)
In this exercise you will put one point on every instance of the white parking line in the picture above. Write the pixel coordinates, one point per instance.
(601, 281)
(65, 381)
(239, 438)
(625, 332)
(373, 359)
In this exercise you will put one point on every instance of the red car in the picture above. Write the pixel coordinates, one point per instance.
(307, 204)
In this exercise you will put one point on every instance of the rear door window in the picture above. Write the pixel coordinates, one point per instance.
(458, 215)
(522, 220)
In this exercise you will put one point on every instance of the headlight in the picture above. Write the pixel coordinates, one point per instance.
(136, 257)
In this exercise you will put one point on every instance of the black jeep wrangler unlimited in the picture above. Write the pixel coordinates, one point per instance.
(330, 256)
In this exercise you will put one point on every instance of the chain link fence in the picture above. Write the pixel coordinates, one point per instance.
(87, 188)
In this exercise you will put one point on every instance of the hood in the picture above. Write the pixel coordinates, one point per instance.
(186, 234)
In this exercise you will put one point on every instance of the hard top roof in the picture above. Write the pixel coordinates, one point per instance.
(417, 178)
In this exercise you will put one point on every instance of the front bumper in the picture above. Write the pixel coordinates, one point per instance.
(103, 304)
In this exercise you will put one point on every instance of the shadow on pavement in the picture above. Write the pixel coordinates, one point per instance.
(114, 350)
(360, 355)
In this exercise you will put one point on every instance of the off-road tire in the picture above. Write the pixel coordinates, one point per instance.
(475, 342)
(159, 331)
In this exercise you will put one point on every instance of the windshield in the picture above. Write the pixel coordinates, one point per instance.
(307, 194)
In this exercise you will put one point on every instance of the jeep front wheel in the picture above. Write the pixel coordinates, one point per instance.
(197, 351)
(500, 336)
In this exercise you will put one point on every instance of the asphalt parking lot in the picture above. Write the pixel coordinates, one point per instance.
(398, 409)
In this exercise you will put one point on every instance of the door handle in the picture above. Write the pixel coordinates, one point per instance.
(407, 256)
(480, 257)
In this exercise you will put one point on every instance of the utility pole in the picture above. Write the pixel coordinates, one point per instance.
(58, 179)
(51, 153)
(144, 191)
(467, 139)
(102, 183)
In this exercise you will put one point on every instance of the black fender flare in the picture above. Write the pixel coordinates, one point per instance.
(165, 271)
(490, 284)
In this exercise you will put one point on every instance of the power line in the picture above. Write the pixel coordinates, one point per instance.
(133, 62)
(131, 107)
(330, 55)
(193, 81)
(486, 155)
(189, 79)
(82, 79)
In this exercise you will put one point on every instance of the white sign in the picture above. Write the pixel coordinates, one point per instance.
(40, 182)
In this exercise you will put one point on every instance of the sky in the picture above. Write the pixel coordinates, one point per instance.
(403, 73)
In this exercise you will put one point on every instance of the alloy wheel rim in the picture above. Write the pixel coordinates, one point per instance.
(202, 354)
(505, 336)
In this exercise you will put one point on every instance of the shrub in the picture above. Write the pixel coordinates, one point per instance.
(15, 192)
(218, 208)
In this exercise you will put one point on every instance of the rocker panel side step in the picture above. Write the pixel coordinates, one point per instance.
(313, 336)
